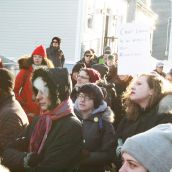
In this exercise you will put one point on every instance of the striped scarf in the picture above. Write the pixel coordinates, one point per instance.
(44, 124)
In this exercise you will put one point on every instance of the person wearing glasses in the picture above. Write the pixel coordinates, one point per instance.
(85, 75)
(97, 128)
(88, 59)
(55, 54)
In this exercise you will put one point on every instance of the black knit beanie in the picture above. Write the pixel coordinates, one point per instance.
(94, 91)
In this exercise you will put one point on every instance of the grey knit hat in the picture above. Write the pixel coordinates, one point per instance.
(153, 148)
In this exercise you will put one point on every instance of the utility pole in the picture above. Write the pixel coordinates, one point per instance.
(131, 10)
(170, 42)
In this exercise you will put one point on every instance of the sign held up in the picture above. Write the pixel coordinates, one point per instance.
(134, 49)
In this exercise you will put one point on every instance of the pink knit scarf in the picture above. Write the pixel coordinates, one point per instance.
(44, 124)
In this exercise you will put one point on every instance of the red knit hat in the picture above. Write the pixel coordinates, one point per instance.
(40, 50)
(93, 74)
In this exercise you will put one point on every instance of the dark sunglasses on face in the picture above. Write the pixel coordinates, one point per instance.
(87, 55)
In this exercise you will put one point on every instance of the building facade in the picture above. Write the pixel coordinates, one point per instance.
(81, 24)
(161, 39)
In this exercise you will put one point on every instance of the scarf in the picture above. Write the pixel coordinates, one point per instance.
(44, 124)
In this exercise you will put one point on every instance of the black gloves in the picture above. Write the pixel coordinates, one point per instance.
(31, 160)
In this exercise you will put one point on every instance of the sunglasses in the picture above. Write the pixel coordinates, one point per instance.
(87, 55)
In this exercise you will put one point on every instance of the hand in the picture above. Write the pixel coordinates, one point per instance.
(31, 160)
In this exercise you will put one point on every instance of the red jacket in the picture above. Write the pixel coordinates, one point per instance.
(25, 97)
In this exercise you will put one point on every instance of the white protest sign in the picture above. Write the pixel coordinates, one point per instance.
(134, 49)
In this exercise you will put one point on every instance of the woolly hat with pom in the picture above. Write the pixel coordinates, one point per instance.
(93, 74)
(40, 50)
(152, 148)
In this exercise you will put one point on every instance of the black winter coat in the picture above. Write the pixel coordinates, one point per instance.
(61, 151)
(56, 55)
(146, 120)
(98, 138)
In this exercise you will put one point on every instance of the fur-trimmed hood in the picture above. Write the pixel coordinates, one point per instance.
(108, 115)
(103, 109)
(24, 62)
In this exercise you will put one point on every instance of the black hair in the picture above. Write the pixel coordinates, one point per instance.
(94, 92)
(77, 67)
(57, 39)
(102, 69)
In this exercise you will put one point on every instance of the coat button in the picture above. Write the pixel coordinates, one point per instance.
(96, 119)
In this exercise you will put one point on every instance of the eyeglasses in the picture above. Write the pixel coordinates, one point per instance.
(87, 55)
(84, 97)
(82, 77)
(55, 42)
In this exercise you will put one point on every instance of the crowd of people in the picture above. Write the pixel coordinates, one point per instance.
(89, 120)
